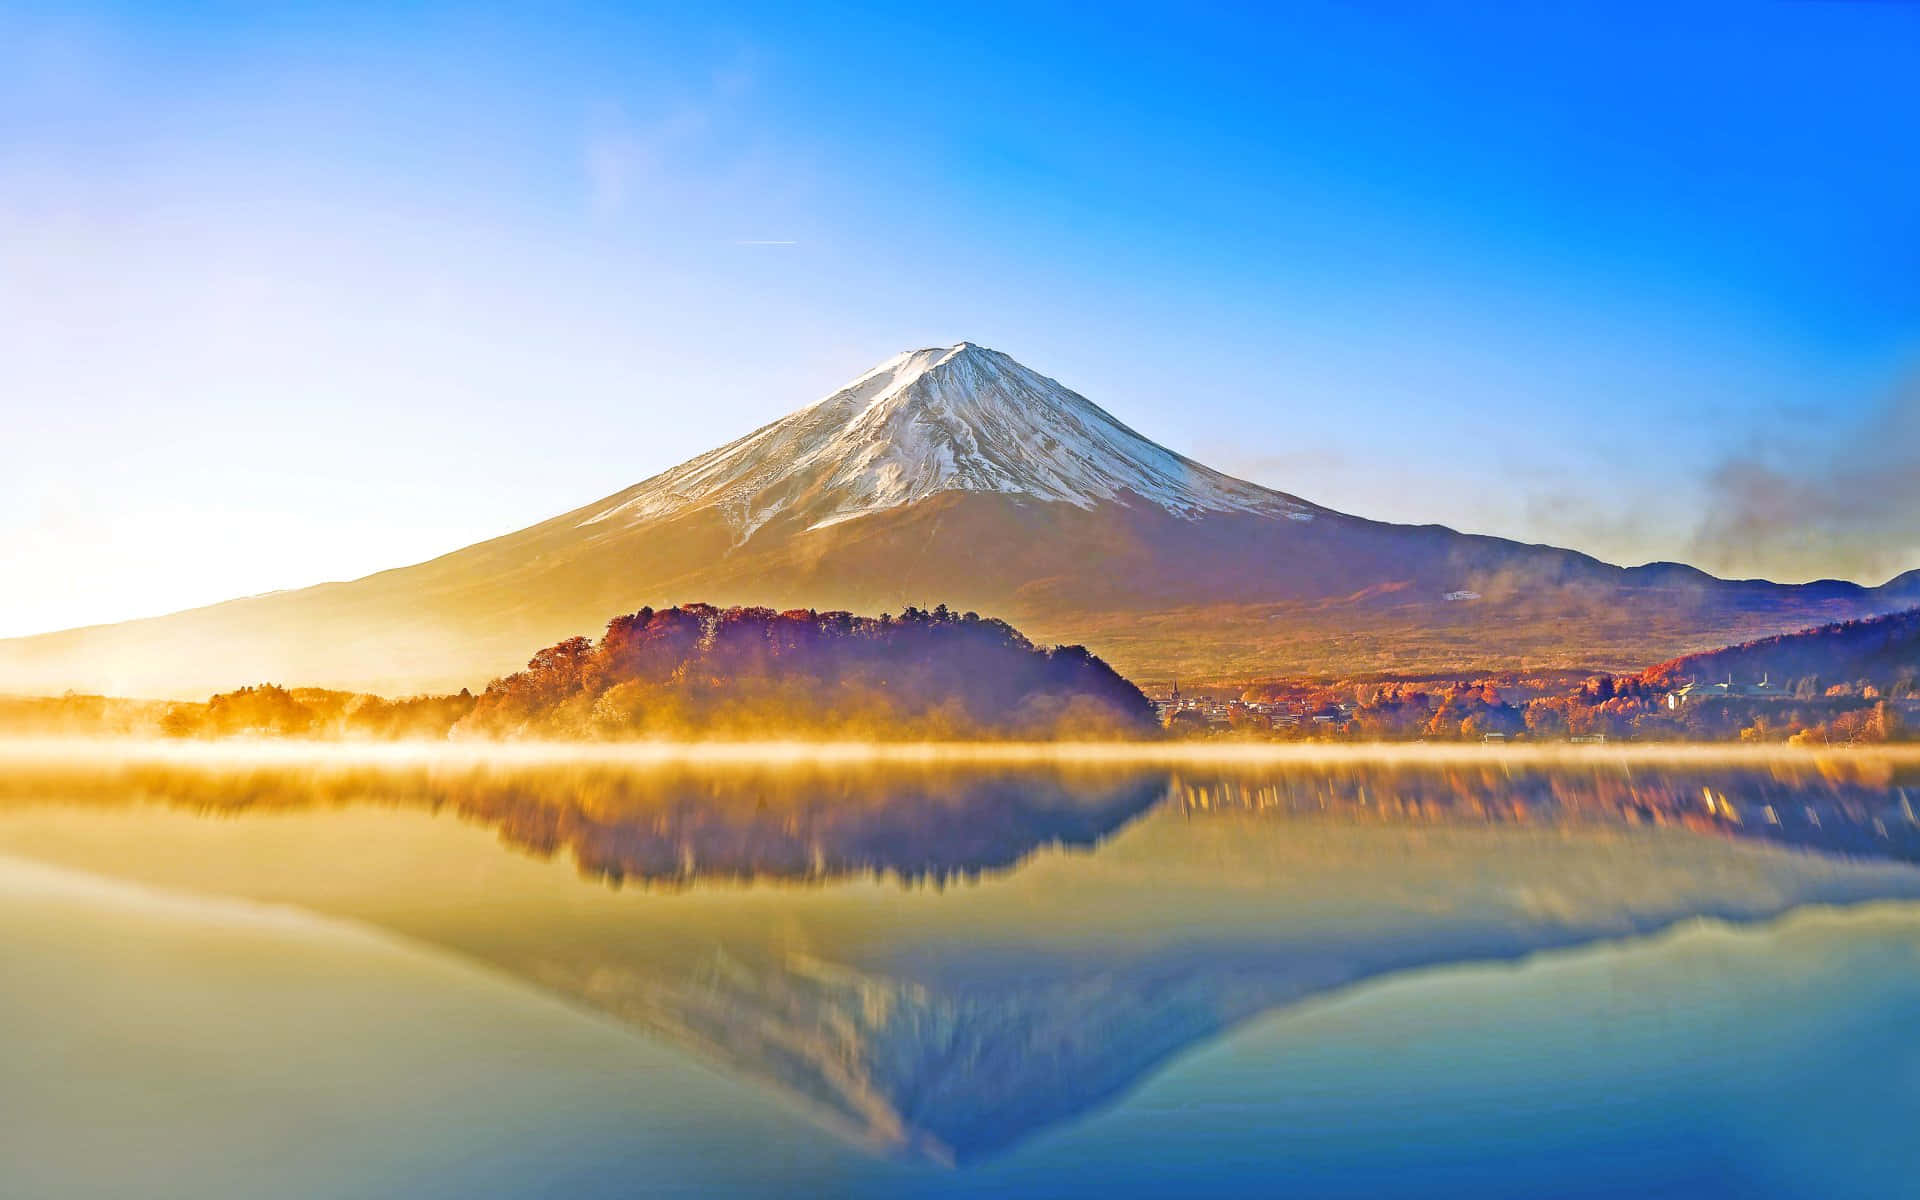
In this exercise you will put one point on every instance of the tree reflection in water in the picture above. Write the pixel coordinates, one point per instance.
(670, 825)
(667, 826)
(953, 1026)
(1862, 806)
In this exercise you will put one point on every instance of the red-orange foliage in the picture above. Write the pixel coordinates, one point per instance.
(696, 670)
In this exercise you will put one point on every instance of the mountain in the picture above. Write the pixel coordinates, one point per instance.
(959, 476)
(927, 422)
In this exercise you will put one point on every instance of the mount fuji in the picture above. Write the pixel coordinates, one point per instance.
(955, 419)
(956, 475)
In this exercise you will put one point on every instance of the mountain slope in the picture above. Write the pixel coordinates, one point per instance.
(963, 419)
(1881, 651)
(958, 476)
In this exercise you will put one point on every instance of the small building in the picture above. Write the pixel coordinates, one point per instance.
(1693, 693)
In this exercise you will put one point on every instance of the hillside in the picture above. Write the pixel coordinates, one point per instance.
(1878, 653)
(956, 474)
(698, 671)
(688, 672)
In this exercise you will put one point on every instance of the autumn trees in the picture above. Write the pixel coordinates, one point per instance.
(700, 671)
(268, 710)
(697, 670)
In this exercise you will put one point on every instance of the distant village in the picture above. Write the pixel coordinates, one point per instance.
(1591, 710)
(1249, 714)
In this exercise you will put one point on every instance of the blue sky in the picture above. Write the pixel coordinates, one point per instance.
(300, 293)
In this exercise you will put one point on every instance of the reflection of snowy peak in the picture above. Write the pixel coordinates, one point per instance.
(960, 418)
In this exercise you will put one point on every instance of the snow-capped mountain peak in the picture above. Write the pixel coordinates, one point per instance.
(953, 418)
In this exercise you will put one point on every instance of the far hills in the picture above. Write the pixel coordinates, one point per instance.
(1878, 655)
(957, 475)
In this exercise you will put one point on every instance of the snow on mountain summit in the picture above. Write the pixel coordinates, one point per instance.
(955, 418)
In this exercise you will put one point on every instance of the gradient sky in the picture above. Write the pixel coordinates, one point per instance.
(297, 293)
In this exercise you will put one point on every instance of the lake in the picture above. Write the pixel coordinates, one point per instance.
(324, 972)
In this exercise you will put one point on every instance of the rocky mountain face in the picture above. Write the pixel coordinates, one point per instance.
(956, 475)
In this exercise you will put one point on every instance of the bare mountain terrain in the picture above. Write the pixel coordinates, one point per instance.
(956, 475)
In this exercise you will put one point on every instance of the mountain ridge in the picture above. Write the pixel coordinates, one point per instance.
(956, 475)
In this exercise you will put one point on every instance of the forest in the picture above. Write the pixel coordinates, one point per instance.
(697, 670)
(1874, 656)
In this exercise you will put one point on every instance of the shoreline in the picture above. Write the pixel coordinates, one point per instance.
(108, 752)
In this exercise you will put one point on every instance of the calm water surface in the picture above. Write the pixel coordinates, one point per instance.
(1351, 980)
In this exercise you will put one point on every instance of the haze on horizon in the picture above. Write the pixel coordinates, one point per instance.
(304, 295)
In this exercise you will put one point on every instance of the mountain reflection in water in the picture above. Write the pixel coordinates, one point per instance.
(1100, 931)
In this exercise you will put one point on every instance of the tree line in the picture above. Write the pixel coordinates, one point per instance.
(698, 670)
